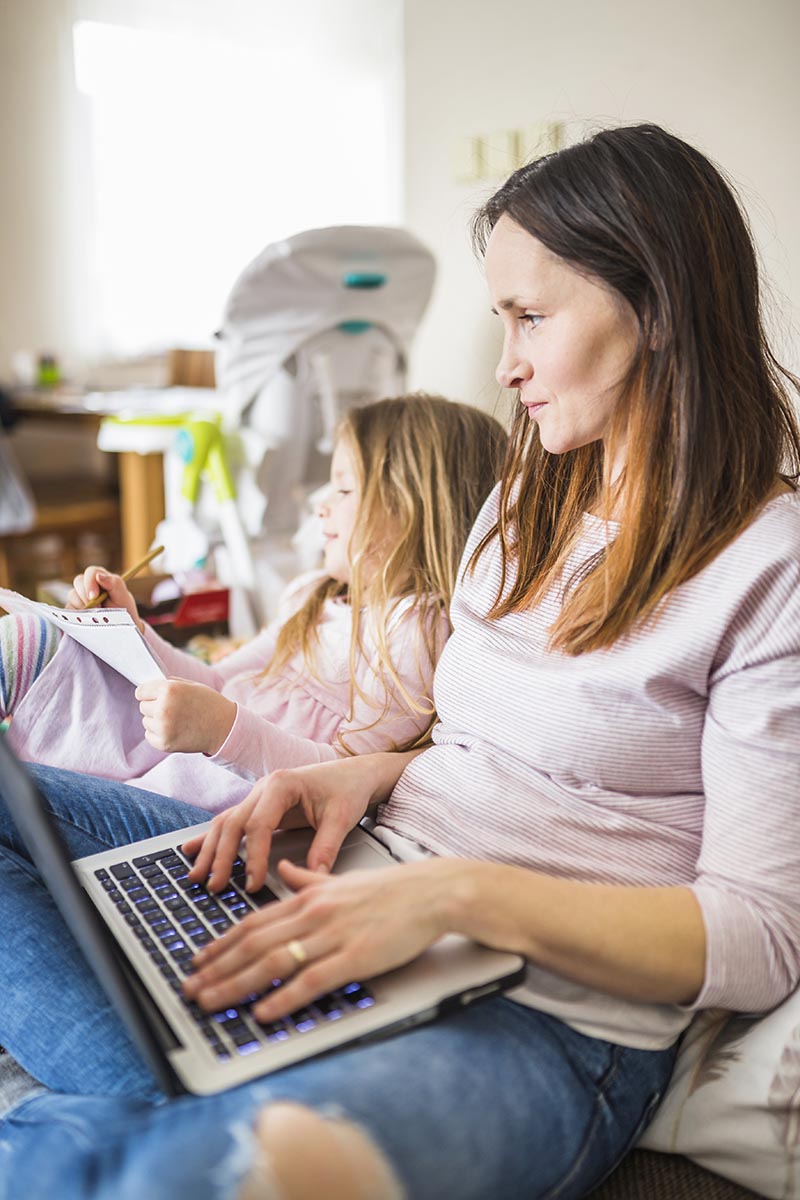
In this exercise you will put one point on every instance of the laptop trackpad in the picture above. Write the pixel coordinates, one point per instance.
(354, 858)
(358, 858)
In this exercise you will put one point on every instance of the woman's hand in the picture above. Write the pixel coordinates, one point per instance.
(341, 928)
(95, 580)
(329, 797)
(179, 715)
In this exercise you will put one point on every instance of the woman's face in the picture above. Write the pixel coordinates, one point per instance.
(568, 341)
(339, 510)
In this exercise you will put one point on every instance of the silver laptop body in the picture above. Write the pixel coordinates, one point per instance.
(154, 920)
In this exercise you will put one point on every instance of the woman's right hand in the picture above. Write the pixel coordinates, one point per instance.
(94, 580)
(329, 797)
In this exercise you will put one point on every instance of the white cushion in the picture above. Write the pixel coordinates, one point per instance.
(733, 1104)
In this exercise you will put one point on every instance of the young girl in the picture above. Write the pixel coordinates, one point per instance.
(345, 667)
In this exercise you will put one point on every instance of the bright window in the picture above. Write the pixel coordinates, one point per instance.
(204, 148)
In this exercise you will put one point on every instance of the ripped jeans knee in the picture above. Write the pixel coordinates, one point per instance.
(301, 1154)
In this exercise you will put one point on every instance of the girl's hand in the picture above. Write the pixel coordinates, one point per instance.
(95, 580)
(330, 797)
(182, 716)
(348, 927)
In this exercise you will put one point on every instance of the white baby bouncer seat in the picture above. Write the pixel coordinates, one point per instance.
(314, 324)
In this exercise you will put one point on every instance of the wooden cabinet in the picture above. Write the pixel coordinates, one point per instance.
(77, 513)
(123, 512)
(75, 520)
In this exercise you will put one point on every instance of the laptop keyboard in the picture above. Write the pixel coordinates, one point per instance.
(173, 918)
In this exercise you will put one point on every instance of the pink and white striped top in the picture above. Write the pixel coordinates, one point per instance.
(672, 758)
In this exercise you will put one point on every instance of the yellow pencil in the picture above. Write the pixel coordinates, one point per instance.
(131, 571)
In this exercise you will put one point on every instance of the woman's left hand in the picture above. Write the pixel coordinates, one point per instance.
(335, 929)
(179, 715)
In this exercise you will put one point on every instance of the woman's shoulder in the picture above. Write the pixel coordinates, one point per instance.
(760, 566)
(773, 535)
(782, 505)
(750, 593)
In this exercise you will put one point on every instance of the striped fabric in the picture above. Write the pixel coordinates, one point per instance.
(27, 643)
(672, 758)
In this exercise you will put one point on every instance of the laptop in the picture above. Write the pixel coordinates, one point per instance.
(139, 921)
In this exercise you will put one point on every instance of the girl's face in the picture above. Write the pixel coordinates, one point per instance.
(567, 341)
(339, 511)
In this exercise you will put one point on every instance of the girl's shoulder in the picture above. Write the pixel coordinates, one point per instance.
(303, 584)
(296, 593)
(409, 628)
(405, 613)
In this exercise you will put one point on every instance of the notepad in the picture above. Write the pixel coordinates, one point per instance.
(108, 633)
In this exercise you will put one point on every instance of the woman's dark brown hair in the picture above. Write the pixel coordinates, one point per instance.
(705, 409)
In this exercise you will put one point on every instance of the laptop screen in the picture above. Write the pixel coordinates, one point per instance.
(48, 854)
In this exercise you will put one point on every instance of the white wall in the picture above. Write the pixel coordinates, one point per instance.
(721, 73)
(40, 217)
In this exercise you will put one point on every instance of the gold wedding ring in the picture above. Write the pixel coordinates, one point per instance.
(298, 952)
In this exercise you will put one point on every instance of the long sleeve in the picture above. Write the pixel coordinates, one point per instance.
(748, 871)
(254, 656)
(670, 759)
(256, 745)
(320, 724)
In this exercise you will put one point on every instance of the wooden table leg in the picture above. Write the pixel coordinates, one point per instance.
(141, 496)
(5, 566)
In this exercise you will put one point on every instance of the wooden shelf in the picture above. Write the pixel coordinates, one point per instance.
(71, 507)
(68, 509)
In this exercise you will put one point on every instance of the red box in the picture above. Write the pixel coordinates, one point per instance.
(178, 619)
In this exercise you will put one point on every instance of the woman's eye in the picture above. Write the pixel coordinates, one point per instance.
(344, 492)
(532, 320)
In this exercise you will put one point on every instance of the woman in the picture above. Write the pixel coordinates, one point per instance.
(612, 784)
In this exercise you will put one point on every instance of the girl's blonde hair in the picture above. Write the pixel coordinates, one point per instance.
(425, 465)
(705, 410)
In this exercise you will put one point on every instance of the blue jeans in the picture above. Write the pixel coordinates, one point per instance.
(499, 1100)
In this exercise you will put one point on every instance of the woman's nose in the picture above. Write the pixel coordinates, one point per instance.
(513, 369)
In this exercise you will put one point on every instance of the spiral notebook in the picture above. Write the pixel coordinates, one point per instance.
(108, 633)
